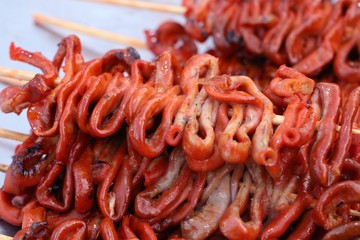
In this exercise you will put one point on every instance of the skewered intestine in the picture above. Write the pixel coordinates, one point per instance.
(128, 148)
(310, 36)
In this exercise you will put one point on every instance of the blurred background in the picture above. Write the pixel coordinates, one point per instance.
(17, 26)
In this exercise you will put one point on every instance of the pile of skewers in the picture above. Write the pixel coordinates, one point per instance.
(124, 148)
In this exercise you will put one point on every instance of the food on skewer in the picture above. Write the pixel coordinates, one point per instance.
(123, 148)
(312, 37)
(171, 36)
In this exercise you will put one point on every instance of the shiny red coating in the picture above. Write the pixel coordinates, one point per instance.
(134, 149)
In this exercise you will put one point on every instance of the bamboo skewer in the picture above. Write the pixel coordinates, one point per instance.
(354, 213)
(13, 74)
(93, 32)
(16, 77)
(4, 237)
(3, 167)
(8, 134)
(144, 5)
(12, 135)
(12, 81)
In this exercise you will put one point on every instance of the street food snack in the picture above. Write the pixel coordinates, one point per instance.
(127, 148)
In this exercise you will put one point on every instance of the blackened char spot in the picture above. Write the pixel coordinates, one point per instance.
(26, 161)
(231, 36)
(133, 53)
(39, 229)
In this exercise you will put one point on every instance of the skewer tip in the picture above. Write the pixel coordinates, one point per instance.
(44, 20)
(166, 8)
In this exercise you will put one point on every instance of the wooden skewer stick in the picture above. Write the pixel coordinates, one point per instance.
(93, 32)
(4, 237)
(3, 167)
(13, 74)
(278, 119)
(144, 5)
(12, 81)
(8, 134)
(354, 213)
(16, 77)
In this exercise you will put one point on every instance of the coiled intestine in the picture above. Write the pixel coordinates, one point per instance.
(250, 36)
(128, 148)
